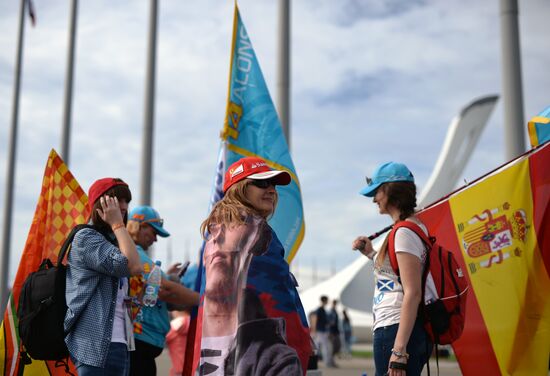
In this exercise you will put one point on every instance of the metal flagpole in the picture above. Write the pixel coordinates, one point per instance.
(66, 130)
(10, 171)
(512, 93)
(283, 76)
(149, 115)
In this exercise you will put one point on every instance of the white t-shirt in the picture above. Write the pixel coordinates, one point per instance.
(119, 327)
(388, 293)
(214, 350)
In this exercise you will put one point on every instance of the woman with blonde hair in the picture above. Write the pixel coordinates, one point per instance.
(400, 343)
(248, 282)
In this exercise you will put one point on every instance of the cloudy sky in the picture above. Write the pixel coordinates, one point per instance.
(372, 81)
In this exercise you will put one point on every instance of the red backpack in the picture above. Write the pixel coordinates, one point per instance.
(444, 316)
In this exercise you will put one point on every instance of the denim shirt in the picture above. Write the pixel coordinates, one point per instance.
(94, 268)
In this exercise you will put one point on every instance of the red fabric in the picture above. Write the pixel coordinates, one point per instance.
(176, 339)
(297, 335)
(473, 349)
(540, 186)
(193, 348)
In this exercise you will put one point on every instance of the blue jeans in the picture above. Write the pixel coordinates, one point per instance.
(419, 348)
(117, 363)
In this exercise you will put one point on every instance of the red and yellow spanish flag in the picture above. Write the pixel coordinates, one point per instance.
(62, 205)
(500, 225)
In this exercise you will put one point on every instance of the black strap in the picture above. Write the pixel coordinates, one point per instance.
(437, 358)
(69, 240)
(24, 359)
(46, 264)
(398, 365)
(43, 304)
(429, 355)
(65, 248)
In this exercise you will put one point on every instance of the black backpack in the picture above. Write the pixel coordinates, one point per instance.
(42, 308)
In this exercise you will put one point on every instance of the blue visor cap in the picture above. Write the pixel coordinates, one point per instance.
(146, 214)
(386, 173)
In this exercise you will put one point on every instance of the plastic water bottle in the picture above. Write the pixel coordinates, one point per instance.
(152, 286)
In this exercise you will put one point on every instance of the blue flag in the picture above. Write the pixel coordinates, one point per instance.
(539, 128)
(252, 128)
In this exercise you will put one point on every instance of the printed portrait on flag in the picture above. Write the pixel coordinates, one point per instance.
(237, 335)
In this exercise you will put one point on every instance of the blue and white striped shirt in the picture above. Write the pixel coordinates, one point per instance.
(94, 268)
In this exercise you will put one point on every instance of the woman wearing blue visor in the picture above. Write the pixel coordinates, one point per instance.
(401, 345)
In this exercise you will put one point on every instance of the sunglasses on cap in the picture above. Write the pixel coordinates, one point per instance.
(160, 221)
(262, 184)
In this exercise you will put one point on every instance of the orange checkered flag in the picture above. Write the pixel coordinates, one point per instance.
(62, 204)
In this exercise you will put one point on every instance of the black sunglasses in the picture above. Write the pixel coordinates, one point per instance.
(263, 184)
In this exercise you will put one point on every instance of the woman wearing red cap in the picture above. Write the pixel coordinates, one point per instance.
(255, 343)
(401, 345)
(98, 327)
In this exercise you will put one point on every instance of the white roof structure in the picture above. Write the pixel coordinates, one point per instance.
(354, 285)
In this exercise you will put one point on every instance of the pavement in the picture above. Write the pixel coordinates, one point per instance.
(365, 366)
(346, 367)
(360, 366)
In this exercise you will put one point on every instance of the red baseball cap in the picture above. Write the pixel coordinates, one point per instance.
(253, 168)
(100, 187)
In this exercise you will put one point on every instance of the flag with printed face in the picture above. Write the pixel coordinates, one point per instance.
(499, 227)
(62, 204)
(266, 290)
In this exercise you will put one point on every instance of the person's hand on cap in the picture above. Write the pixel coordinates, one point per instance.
(110, 210)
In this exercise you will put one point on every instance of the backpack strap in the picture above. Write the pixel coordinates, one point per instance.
(391, 241)
(24, 360)
(68, 241)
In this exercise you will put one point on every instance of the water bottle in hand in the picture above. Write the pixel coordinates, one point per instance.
(152, 286)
